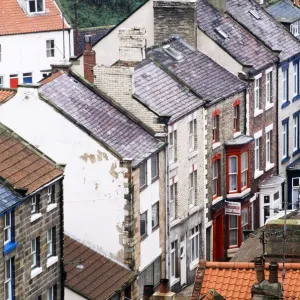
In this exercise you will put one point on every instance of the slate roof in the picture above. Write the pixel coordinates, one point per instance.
(14, 20)
(99, 117)
(6, 94)
(23, 166)
(8, 197)
(234, 280)
(196, 70)
(97, 33)
(266, 28)
(161, 93)
(284, 11)
(239, 43)
(100, 277)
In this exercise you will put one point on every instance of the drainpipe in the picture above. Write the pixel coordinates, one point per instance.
(61, 233)
(167, 211)
(277, 118)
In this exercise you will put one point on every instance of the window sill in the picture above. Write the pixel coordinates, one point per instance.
(143, 187)
(236, 134)
(154, 179)
(296, 152)
(51, 206)
(258, 174)
(193, 209)
(9, 247)
(35, 217)
(173, 165)
(239, 195)
(258, 112)
(216, 145)
(35, 272)
(174, 222)
(174, 280)
(155, 228)
(285, 104)
(269, 166)
(269, 106)
(295, 98)
(217, 199)
(51, 261)
(193, 153)
(194, 264)
(285, 159)
(144, 237)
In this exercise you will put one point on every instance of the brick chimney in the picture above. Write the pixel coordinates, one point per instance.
(220, 5)
(260, 269)
(89, 59)
(175, 17)
(164, 293)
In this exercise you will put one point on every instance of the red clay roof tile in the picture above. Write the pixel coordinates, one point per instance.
(6, 94)
(14, 20)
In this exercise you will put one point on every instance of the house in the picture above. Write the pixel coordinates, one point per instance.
(92, 275)
(287, 13)
(27, 23)
(245, 281)
(31, 221)
(116, 165)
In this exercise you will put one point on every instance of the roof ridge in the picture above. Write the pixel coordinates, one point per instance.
(97, 27)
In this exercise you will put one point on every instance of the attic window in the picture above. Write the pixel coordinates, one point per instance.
(254, 14)
(221, 33)
(35, 6)
(172, 52)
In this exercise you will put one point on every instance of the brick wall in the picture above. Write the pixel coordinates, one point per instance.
(25, 232)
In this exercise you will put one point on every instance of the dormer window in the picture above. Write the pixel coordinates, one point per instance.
(36, 6)
(294, 28)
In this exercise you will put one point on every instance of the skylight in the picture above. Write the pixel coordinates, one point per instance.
(254, 14)
(172, 52)
(221, 33)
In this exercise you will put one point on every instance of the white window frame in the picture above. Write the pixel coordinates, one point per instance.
(143, 170)
(173, 200)
(7, 227)
(296, 79)
(8, 291)
(244, 169)
(50, 242)
(173, 260)
(192, 188)
(0, 53)
(192, 134)
(268, 88)
(216, 128)
(284, 140)
(296, 132)
(1, 81)
(245, 222)
(296, 188)
(50, 293)
(285, 85)
(268, 147)
(257, 154)
(294, 28)
(257, 87)
(34, 254)
(172, 145)
(154, 166)
(50, 50)
(216, 177)
(231, 229)
(36, 8)
(195, 244)
(236, 118)
(232, 173)
(155, 215)
(146, 223)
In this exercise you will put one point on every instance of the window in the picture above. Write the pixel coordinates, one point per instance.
(143, 224)
(52, 293)
(1, 81)
(173, 146)
(193, 135)
(257, 87)
(233, 230)
(143, 174)
(236, 118)
(35, 253)
(35, 204)
(173, 259)
(295, 195)
(8, 282)
(269, 88)
(154, 166)
(155, 215)
(7, 228)
(296, 132)
(257, 155)
(51, 194)
(296, 78)
(36, 6)
(215, 128)
(50, 48)
(192, 187)
(233, 172)
(195, 243)
(244, 221)
(294, 29)
(0, 53)
(27, 77)
(173, 200)
(244, 170)
(51, 235)
(216, 179)
(285, 85)
(285, 140)
(268, 147)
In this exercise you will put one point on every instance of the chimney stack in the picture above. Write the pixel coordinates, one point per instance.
(61, 66)
(164, 292)
(220, 5)
(260, 269)
(89, 59)
(273, 269)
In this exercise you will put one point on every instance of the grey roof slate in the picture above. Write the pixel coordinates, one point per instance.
(284, 11)
(100, 118)
(161, 93)
(266, 28)
(240, 140)
(196, 70)
(240, 43)
(8, 198)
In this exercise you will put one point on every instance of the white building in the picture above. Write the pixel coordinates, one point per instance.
(33, 35)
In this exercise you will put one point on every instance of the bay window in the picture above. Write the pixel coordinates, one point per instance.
(233, 173)
(244, 170)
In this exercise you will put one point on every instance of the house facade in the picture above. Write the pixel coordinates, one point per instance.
(31, 221)
(37, 23)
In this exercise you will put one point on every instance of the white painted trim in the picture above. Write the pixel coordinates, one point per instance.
(208, 224)
(258, 76)
(215, 201)
(35, 272)
(237, 195)
(174, 280)
(51, 207)
(269, 105)
(194, 264)
(52, 260)
(216, 145)
(236, 134)
(257, 134)
(269, 166)
(258, 112)
(258, 173)
(35, 217)
(269, 70)
(269, 128)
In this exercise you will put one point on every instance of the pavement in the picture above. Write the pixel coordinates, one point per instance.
(186, 293)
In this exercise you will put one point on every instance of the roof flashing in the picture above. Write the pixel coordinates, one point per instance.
(221, 33)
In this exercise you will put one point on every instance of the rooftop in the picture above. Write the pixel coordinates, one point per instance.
(100, 277)
(22, 165)
(8, 197)
(197, 71)
(96, 114)
(284, 11)
(6, 94)
(14, 20)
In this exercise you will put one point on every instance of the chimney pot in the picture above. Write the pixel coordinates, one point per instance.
(164, 286)
(273, 269)
(148, 292)
(259, 268)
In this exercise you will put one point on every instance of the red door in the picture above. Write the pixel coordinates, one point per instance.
(219, 238)
(14, 81)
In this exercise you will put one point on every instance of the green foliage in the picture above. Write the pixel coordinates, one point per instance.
(92, 13)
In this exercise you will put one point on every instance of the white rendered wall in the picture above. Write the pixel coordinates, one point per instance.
(26, 53)
(70, 295)
(93, 183)
(150, 248)
(107, 50)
